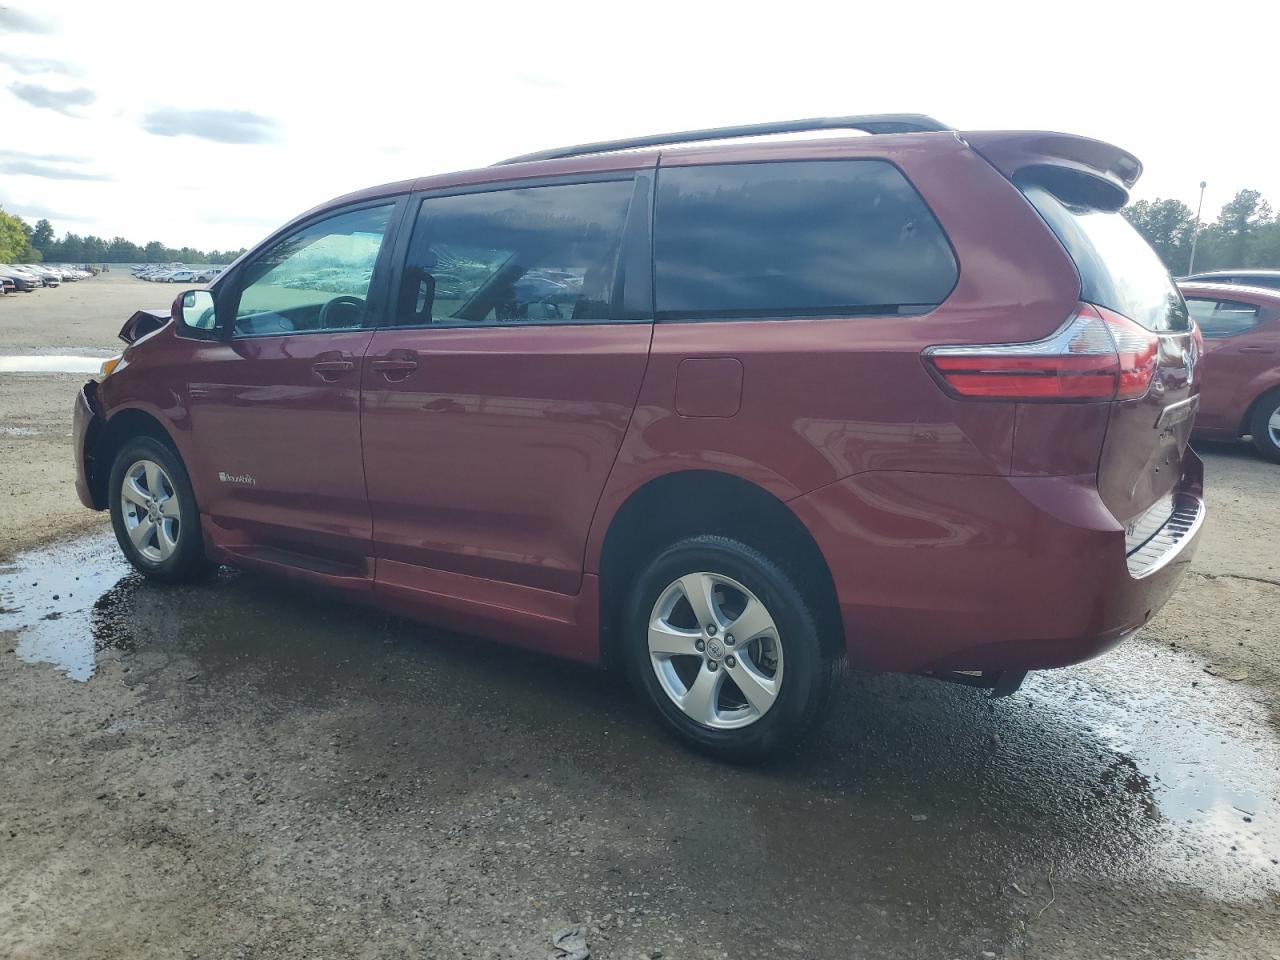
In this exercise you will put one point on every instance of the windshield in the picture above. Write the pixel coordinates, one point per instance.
(1118, 269)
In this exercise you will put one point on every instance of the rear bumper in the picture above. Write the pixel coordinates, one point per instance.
(942, 572)
(86, 424)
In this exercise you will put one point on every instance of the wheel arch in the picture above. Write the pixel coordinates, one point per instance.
(1267, 390)
(119, 429)
(693, 502)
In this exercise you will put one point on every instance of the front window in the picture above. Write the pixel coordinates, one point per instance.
(316, 279)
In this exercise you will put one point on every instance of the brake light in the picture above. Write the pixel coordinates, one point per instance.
(1096, 355)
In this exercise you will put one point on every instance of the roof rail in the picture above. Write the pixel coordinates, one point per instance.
(872, 123)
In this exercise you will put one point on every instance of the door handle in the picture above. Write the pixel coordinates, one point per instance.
(1257, 348)
(330, 370)
(394, 367)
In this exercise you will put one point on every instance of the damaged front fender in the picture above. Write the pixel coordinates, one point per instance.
(87, 424)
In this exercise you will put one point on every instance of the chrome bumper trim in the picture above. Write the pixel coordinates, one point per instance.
(1167, 542)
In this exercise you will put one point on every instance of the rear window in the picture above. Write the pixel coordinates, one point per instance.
(1118, 269)
(1222, 318)
(796, 238)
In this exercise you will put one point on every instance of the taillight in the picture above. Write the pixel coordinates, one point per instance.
(1096, 355)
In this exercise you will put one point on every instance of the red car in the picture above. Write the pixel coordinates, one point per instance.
(723, 415)
(1240, 395)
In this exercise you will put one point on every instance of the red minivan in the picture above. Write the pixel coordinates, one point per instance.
(722, 412)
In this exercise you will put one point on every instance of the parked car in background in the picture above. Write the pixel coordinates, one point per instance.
(22, 280)
(48, 275)
(1248, 278)
(7, 285)
(919, 399)
(181, 276)
(207, 274)
(1240, 392)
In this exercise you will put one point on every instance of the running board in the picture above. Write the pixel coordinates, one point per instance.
(1001, 683)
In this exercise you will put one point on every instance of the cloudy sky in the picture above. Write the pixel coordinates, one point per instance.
(209, 124)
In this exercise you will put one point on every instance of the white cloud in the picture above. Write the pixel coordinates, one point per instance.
(357, 96)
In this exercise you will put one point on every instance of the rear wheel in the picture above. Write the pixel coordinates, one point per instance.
(1265, 425)
(154, 514)
(724, 647)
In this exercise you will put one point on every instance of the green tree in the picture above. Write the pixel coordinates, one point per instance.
(120, 250)
(42, 237)
(15, 240)
(1239, 223)
(1264, 246)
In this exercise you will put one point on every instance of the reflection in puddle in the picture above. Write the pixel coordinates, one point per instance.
(1205, 745)
(65, 603)
(62, 363)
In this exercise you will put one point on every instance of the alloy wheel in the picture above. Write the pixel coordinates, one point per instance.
(715, 650)
(150, 508)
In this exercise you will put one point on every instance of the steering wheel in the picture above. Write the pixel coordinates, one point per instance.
(338, 301)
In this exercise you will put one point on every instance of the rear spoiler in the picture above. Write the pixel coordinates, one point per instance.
(1078, 170)
(142, 323)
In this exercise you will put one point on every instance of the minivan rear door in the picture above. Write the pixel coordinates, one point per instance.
(495, 398)
(1147, 437)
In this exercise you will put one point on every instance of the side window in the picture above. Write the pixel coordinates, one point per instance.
(316, 279)
(1223, 318)
(796, 238)
(526, 255)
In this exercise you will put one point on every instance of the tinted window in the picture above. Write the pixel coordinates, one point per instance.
(1222, 318)
(316, 279)
(1118, 269)
(536, 254)
(824, 237)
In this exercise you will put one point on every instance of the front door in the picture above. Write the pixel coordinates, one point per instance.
(275, 407)
(498, 395)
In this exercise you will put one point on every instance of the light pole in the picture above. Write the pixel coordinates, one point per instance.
(1195, 235)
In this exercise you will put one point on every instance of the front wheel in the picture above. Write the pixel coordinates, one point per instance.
(154, 514)
(1265, 426)
(724, 646)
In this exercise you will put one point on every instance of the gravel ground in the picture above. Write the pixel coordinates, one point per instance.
(245, 770)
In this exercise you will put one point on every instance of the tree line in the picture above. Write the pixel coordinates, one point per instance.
(1246, 233)
(22, 243)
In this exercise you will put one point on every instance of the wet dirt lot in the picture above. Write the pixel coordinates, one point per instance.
(244, 769)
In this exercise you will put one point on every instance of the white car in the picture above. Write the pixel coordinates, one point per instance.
(181, 276)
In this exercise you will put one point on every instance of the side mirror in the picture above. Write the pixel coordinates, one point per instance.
(196, 313)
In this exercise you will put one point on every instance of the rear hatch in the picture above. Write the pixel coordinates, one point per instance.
(1078, 186)
(1147, 436)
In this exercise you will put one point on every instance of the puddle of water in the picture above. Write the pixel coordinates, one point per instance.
(1205, 746)
(61, 602)
(62, 363)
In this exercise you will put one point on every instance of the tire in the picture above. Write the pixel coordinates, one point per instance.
(173, 549)
(789, 675)
(1264, 425)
